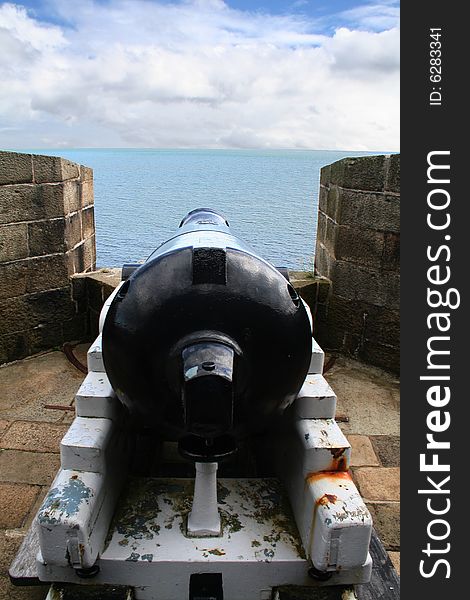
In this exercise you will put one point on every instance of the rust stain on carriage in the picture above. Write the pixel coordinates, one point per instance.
(333, 475)
(327, 499)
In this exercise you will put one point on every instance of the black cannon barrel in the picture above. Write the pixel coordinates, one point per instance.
(206, 341)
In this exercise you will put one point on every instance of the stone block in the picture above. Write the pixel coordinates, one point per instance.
(10, 541)
(50, 306)
(359, 173)
(89, 246)
(72, 200)
(324, 262)
(346, 315)
(34, 468)
(95, 293)
(355, 282)
(73, 230)
(108, 278)
(88, 222)
(360, 246)
(13, 242)
(75, 329)
(15, 168)
(324, 286)
(47, 272)
(16, 500)
(362, 451)
(381, 355)
(331, 236)
(49, 201)
(76, 260)
(86, 173)
(45, 336)
(321, 227)
(82, 257)
(392, 182)
(15, 203)
(386, 519)
(352, 343)
(382, 325)
(363, 322)
(33, 322)
(322, 199)
(86, 193)
(387, 448)
(15, 315)
(307, 290)
(79, 287)
(368, 210)
(33, 437)
(329, 338)
(30, 202)
(13, 278)
(14, 346)
(52, 169)
(46, 237)
(325, 175)
(334, 202)
(391, 255)
(329, 201)
(4, 425)
(378, 483)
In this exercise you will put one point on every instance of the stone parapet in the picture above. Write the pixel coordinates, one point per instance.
(358, 251)
(47, 234)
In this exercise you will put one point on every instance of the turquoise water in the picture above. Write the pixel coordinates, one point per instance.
(269, 197)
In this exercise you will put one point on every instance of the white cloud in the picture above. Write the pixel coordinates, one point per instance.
(198, 73)
(384, 15)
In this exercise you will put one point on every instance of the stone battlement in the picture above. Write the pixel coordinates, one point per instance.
(47, 234)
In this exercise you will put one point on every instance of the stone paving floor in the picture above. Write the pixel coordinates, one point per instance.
(35, 394)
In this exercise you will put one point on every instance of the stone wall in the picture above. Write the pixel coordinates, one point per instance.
(358, 250)
(47, 234)
(91, 290)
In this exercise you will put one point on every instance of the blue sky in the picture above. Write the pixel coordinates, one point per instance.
(327, 14)
(200, 73)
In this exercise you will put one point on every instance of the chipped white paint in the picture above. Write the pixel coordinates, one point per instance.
(316, 399)
(317, 360)
(204, 518)
(150, 546)
(259, 547)
(338, 525)
(83, 448)
(74, 518)
(95, 357)
(96, 398)
(69, 528)
(321, 446)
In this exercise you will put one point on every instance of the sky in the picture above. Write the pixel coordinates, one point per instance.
(300, 74)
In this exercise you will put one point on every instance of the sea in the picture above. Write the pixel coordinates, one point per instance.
(269, 197)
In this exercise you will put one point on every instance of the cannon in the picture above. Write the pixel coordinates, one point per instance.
(204, 461)
(189, 335)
